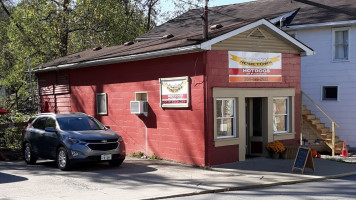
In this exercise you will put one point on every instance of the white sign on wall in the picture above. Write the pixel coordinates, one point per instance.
(255, 67)
(174, 92)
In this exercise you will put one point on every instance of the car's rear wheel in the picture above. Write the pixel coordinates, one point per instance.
(30, 157)
(63, 161)
(116, 163)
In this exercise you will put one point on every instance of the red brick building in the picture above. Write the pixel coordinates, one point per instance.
(227, 96)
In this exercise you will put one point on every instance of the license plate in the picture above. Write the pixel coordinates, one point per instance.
(106, 157)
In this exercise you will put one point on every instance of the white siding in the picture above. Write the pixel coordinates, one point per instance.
(319, 70)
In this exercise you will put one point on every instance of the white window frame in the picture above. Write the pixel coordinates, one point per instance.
(288, 113)
(348, 44)
(322, 93)
(220, 118)
(99, 96)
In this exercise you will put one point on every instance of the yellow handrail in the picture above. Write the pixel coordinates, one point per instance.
(316, 105)
(333, 123)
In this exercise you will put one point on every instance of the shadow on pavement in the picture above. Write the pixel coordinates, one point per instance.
(8, 178)
(130, 175)
(323, 167)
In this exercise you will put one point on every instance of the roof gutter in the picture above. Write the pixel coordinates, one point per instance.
(121, 59)
(303, 26)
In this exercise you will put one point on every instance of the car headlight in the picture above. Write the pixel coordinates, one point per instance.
(75, 141)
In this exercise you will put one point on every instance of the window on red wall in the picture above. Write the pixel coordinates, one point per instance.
(101, 104)
(281, 115)
(225, 118)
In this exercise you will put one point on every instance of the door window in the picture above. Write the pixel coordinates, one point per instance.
(51, 123)
(40, 123)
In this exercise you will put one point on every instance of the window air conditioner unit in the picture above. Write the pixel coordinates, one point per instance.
(139, 107)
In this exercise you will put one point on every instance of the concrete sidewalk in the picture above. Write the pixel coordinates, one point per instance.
(149, 179)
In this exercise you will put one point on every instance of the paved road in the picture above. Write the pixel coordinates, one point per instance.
(145, 179)
(344, 188)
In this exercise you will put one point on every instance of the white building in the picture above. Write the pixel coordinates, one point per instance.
(329, 77)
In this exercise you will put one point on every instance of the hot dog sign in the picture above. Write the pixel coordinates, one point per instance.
(174, 92)
(255, 67)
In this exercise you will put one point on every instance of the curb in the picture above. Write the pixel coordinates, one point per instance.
(254, 186)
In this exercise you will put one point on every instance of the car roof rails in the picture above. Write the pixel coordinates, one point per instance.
(81, 113)
(42, 114)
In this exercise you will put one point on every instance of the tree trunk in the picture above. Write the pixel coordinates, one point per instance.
(63, 46)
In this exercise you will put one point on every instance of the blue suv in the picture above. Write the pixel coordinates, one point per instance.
(71, 138)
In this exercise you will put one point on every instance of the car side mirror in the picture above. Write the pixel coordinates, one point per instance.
(107, 127)
(50, 129)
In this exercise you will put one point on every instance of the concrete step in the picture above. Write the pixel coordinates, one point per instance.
(310, 117)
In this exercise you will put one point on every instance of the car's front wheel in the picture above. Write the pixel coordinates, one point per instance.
(30, 157)
(63, 161)
(116, 163)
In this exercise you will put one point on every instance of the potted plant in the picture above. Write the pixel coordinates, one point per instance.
(275, 148)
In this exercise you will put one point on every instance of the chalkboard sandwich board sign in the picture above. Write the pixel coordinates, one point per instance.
(303, 159)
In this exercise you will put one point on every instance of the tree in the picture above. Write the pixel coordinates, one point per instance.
(47, 29)
(180, 7)
(151, 12)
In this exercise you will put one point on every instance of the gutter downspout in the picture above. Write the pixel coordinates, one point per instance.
(206, 113)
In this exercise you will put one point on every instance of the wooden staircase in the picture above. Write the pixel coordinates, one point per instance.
(321, 131)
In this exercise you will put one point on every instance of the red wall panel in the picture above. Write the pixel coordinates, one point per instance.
(171, 133)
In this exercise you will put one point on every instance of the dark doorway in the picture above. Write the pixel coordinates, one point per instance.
(256, 108)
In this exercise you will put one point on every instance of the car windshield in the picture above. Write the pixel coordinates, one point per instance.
(79, 124)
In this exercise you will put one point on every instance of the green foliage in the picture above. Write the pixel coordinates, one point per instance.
(44, 30)
(11, 137)
(154, 157)
(137, 155)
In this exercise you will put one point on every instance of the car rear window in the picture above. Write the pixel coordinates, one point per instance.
(79, 124)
